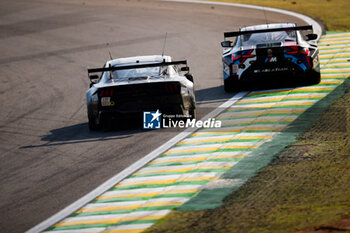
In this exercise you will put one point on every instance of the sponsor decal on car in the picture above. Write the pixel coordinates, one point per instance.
(105, 101)
(268, 70)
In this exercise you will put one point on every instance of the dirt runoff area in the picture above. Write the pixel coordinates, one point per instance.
(306, 188)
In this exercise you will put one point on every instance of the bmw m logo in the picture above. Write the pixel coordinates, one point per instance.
(271, 59)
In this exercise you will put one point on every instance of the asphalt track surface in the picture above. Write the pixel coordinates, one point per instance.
(48, 157)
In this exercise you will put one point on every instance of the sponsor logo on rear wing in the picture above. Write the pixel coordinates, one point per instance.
(137, 66)
(238, 33)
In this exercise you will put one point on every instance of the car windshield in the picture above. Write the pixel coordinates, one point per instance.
(135, 73)
(269, 37)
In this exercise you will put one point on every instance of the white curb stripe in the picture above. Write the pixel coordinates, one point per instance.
(322, 47)
(196, 166)
(130, 203)
(337, 64)
(336, 55)
(341, 39)
(134, 180)
(196, 156)
(130, 227)
(303, 102)
(306, 95)
(149, 190)
(336, 35)
(218, 138)
(344, 49)
(90, 230)
(194, 147)
(115, 216)
(337, 69)
(333, 75)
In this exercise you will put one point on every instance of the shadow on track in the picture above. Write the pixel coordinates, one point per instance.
(272, 84)
(263, 85)
(80, 133)
(212, 95)
(217, 94)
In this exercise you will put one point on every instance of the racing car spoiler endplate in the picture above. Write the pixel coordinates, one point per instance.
(234, 34)
(112, 68)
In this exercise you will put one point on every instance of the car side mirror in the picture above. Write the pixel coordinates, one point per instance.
(185, 68)
(311, 36)
(93, 77)
(189, 77)
(226, 44)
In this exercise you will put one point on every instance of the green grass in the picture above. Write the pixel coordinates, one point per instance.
(335, 14)
(308, 185)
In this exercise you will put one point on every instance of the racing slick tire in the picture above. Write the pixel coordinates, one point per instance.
(93, 125)
(192, 113)
(230, 85)
(313, 77)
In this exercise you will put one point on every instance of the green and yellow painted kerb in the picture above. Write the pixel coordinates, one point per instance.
(183, 171)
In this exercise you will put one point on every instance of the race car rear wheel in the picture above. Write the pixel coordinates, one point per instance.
(93, 125)
(192, 113)
(313, 78)
(230, 85)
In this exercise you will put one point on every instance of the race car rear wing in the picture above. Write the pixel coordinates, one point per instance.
(238, 33)
(127, 67)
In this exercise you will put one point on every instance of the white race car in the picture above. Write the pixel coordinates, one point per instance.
(129, 86)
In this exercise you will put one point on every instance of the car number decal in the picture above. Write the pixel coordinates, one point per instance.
(105, 101)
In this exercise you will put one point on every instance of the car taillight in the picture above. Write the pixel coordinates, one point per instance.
(303, 50)
(297, 49)
(171, 88)
(107, 92)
